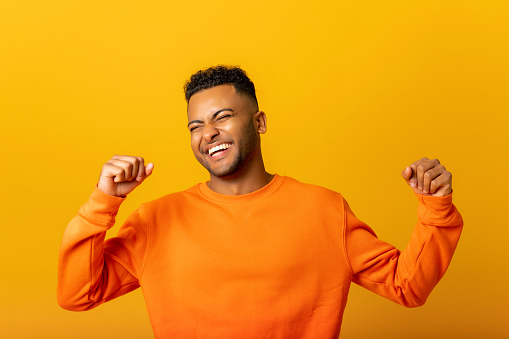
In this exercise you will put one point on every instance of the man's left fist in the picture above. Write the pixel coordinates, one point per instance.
(428, 177)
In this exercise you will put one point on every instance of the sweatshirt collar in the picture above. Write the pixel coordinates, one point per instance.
(262, 193)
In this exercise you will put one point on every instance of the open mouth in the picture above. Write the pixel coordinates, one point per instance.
(218, 150)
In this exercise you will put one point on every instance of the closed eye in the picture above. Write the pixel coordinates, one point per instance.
(223, 117)
(194, 128)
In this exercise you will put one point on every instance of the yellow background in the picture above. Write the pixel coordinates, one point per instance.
(353, 91)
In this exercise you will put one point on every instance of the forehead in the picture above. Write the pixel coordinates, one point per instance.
(213, 99)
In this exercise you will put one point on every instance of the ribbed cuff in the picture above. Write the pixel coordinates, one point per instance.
(436, 211)
(102, 207)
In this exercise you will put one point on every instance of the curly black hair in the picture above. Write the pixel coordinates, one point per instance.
(220, 75)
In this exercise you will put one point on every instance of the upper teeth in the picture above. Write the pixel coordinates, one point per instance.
(218, 148)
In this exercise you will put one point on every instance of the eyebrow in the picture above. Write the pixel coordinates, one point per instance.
(213, 116)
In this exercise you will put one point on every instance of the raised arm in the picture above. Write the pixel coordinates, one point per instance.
(91, 271)
(408, 277)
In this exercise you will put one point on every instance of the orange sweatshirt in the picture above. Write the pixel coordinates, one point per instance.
(275, 263)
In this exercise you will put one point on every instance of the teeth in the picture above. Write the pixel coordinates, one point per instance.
(218, 148)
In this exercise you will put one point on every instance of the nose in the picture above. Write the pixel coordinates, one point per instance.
(210, 132)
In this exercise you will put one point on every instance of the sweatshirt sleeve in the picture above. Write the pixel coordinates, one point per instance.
(406, 277)
(91, 270)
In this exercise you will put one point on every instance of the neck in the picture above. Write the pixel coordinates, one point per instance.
(244, 181)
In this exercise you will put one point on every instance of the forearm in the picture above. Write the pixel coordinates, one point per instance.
(81, 262)
(408, 277)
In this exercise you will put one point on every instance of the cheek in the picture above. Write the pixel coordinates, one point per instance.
(232, 129)
(195, 143)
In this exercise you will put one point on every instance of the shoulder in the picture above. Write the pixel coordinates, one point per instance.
(296, 184)
(173, 199)
(310, 191)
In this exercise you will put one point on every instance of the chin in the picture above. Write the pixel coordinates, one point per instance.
(226, 171)
(223, 172)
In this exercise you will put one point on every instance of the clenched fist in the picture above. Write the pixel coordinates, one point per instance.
(122, 174)
(428, 177)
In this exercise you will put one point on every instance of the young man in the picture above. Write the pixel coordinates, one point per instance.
(248, 254)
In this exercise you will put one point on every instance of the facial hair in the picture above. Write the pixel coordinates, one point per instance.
(246, 148)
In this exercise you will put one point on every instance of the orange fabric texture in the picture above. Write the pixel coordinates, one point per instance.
(275, 263)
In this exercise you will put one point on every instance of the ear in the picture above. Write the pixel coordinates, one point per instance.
(260, 120)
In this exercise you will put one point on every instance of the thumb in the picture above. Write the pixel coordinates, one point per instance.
(149, 168)
(406, 173)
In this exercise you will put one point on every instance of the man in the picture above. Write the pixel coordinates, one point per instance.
(248, 254)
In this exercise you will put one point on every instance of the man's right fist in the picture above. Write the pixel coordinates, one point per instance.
(122, 174)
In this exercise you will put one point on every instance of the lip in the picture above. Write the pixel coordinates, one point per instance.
(219, 154)
(208, 147)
